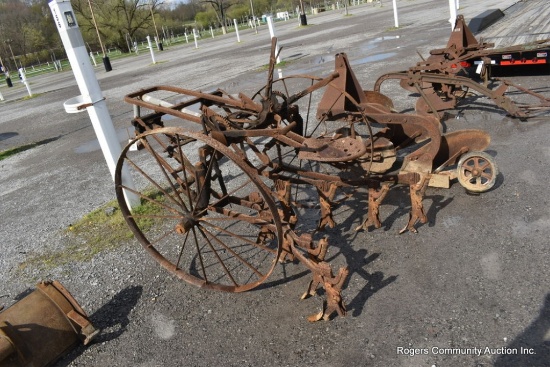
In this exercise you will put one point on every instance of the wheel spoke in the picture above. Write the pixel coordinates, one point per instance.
(145, 175)
(155, 216)
(235, 215)
(143, 196)
(157, 241)
(237, 256)
(255, 244)
(199, 254)
(163, 166)
(227, 272)
(181, 252)
(223, 198)
(467, 169)
(183, 164)
(484, 166)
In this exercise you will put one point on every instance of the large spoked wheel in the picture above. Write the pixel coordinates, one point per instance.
(477, 171)
(205, 215)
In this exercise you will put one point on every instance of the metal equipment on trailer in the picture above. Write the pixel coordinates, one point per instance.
(444, 79)
(225, 185)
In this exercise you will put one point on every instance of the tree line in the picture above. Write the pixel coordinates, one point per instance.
(28, 33)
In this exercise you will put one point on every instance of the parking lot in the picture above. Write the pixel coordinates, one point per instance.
(470, 289)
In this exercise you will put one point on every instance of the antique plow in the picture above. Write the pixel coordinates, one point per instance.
(223, 189)
(447, 76)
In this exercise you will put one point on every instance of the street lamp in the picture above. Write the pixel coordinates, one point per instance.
(106, 62)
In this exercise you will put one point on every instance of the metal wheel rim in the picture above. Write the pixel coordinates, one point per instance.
(204, 230)
(477, 171)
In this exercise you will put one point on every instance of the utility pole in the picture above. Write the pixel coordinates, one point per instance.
(303, 18)
(159, 43)
(106, 61)
(6, 73)
(12, 56)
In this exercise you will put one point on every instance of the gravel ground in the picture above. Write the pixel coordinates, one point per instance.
(475, 276)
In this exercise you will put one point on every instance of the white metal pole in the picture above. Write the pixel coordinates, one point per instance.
(237, 30)
(25, 81)
(195, 38)
(457, 4)
(91, 97)
(272, 34)
(93, 58)
(151, 49)
(452, 8)
(395, 14)
(211, 31)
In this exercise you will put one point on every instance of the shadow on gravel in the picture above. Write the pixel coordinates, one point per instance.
(342, 237)
(9, 152)
(285, 278)
(111, 319)
(532, 347)
(5, 136)
(375, 281)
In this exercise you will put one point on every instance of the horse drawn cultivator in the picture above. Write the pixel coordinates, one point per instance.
(445, 78)
(227, 182)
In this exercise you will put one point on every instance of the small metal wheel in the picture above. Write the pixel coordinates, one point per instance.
(477, 171)
(205, 215)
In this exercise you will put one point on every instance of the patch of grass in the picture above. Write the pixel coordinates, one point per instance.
(103, 229)
(157, 62)
(282, 64)
(30, 97)
(391, 29)
(8, 153)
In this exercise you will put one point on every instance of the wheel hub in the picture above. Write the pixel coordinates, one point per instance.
(185, 224)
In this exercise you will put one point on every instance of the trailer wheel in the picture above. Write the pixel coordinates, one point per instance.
(206, 216)
(477, 171)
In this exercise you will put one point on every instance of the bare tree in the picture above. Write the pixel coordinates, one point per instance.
(116, 19)
(220, 7)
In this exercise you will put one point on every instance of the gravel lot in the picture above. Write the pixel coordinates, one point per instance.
(475, 276)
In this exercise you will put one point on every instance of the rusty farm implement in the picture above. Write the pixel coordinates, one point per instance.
(449, 75)
(227, 175)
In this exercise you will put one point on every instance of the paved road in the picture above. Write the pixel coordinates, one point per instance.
(475, 276)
